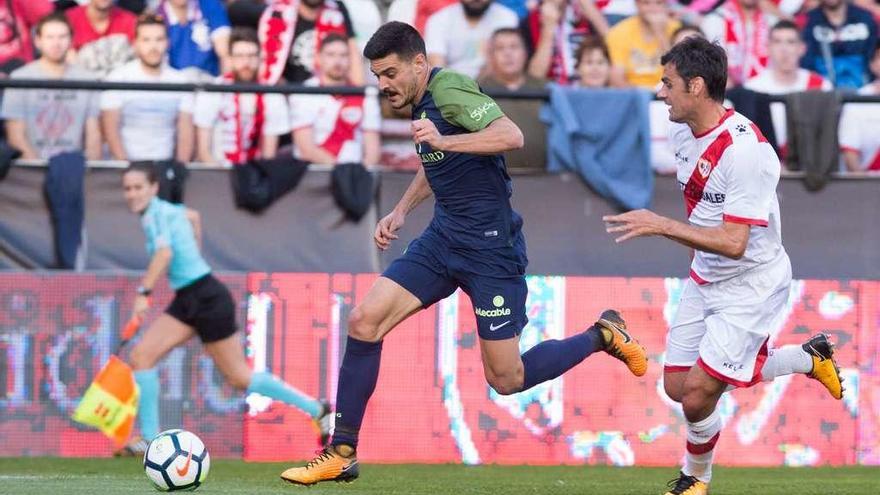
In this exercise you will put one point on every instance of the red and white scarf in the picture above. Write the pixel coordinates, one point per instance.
(245, 152)
(745, 41)
(276, 30)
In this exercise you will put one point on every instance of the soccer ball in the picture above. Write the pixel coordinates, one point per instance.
(176, 460)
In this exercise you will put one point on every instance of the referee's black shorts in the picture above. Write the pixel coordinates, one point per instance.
(207, 306)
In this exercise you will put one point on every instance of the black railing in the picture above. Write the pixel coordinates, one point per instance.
(522, 94)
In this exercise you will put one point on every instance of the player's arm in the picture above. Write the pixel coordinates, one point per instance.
(729, 239)
(499, 136)
(418, 191)
(158, 264)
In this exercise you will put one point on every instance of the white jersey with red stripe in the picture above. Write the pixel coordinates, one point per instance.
(729, 174)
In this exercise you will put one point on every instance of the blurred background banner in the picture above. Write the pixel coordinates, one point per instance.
(432, 404)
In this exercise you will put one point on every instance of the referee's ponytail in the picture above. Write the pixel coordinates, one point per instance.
(146, 168)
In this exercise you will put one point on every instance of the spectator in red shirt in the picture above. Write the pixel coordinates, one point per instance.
(102, 35)
(17, 18)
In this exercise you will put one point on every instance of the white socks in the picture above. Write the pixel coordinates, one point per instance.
(786, 360)
(701, 439)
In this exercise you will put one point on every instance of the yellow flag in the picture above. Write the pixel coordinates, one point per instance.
(111, 402)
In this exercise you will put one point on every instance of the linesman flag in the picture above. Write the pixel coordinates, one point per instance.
(111, 401)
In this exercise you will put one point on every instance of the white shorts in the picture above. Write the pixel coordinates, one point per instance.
(723, 327)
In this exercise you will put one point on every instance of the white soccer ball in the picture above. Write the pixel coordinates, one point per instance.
(176, 460)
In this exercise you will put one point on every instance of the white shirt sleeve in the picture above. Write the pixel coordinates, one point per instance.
(112, 99)
(207, 109)
(436, 33)
(848, 133)
(277, 117)
(372, 114)
(302, 111)
(186, 103)
(751, 178)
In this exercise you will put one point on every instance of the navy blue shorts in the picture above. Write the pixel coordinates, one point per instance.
(494, 279)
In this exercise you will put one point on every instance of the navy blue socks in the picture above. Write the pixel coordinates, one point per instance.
(357, 380)
(552, 358)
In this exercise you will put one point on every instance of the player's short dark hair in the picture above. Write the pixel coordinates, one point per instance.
(786, 24)
(697, 57)
(146, 168)
(149, 19)
(333, 38)
(243, 35)
(58, 17)
(395, 38)
(589, 44)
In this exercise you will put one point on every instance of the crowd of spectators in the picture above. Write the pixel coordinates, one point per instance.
(774, 47)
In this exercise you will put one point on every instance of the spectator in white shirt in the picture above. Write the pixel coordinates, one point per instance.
(784, 74)
(330, 129)
(246, 125)
(456, 36)
(144, 125)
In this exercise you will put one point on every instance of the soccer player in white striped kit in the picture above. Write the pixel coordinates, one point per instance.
(740, 274)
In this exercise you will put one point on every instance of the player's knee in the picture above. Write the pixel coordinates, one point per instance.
(694, 402)
(140, 359)
(673, 389)
(362, 327)
(239, 381)
(506, 383)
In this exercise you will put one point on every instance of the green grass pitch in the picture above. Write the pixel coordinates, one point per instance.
(51, 476)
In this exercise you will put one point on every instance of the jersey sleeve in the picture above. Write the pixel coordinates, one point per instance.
(215, 15)
(751, 183)
(112, 99)
(207, 109)
(302, 112)
(462, 103)
(372, 114)
(277, 117)
(435, 34)
(158, 227)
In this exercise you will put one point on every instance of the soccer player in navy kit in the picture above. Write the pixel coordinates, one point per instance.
(474, 242)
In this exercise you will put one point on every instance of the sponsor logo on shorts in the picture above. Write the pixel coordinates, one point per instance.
(493, 327)
(494, 313)
(478, 113)
(498, 302)
(432, 157)
(732, 366)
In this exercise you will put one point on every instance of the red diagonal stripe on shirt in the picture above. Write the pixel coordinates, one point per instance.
(693, 190)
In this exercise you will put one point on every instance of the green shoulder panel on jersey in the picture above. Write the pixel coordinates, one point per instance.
(460, 101)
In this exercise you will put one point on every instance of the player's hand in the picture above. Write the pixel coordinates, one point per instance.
(635, 223)
(386, 229)
(424, 131)
(141, 306)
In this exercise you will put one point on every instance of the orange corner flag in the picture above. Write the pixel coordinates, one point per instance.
(111, 401)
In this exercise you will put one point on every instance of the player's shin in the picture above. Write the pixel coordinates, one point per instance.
(786, 360)
(357, 381)
(701, 439)
(552, 358)
(148, 408)
(267, 384)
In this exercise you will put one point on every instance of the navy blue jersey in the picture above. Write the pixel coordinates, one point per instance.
(472, 192)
